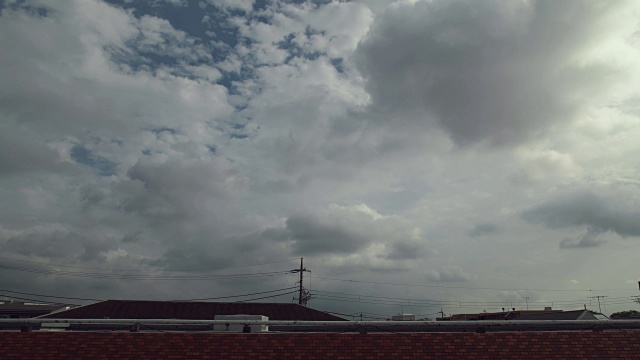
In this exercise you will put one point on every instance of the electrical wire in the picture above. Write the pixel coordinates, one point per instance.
(48, 296)
(243, 295)
(413, 302)
(35, 300)
(268, 297)
(89, 299)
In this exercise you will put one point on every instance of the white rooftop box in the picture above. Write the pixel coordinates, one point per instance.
(238, 327)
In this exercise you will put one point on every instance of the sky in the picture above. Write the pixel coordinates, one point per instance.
(421, 156)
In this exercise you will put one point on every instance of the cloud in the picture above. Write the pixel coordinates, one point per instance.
(611, 213)
(448, 274)
(542, 165)
(55, 242)
(484, 229)
(499, 73)
(407, 250)
(340, 231)
(311, 236)
(344, 230)
(34, 155)
(588, 240)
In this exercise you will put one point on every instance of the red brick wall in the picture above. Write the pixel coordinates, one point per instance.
(459, 346)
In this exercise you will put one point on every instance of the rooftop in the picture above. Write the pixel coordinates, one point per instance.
(134, 309)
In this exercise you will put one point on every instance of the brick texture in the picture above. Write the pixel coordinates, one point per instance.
(310, 346)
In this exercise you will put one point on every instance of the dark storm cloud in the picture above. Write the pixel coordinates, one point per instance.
(599, 213)
(313, 237)
(492, 71)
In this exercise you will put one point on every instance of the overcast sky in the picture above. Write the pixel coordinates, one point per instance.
(483, 153)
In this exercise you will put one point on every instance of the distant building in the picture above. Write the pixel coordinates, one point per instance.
(561, 315)
(546, 314)
(504, 315)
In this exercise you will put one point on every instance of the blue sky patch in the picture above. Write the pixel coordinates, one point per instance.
(84, 156)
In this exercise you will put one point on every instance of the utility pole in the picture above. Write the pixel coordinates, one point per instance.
(526, 299)
(303, 296)
(598, 297)
(302, 269)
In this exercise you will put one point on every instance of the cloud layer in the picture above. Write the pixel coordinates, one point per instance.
(496, 73)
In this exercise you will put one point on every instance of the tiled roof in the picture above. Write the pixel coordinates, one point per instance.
(131, 309)
(427, 346)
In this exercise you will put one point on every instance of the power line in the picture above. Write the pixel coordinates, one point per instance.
(89, 299)
(270, 296)
(35, 300)
(49, 296)
(598, 297)
(243, 295)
